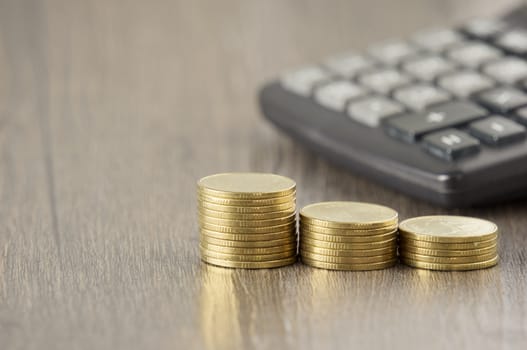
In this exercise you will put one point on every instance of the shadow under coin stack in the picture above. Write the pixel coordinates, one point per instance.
(348, 236)
(247, 220)
(448, 243)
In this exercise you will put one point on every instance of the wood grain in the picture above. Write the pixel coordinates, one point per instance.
(109, 113)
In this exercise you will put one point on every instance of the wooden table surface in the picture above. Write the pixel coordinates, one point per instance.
(109, 113)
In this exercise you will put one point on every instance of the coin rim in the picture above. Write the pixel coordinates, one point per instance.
(249, 251)
(340, 224)
(250, 265)
(350, 246)
(347, 259)
(448, 259)
(247, 202)
(238, 194)
(446, 246)
(349, 267)
(247, 230)
(248, 244)
(347, 239)
(446, 239)
(346, 232)
(451, 267)
(247, 223)
(448, 253)
(243, 216)
(250, 237)
(245, 209)
(347, 252)
(249, 258)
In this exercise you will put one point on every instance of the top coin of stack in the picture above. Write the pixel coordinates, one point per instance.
(448, 243)
(348, 236)
(247, 220)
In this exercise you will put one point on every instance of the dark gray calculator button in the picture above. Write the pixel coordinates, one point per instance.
(484, 28)
(521, 115)
(450, 144)
(514, 41)
(497, 130)
(410, 127)
(502, 100)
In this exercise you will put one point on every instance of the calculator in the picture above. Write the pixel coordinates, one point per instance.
(440, 116)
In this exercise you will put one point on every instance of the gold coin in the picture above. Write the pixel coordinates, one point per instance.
(347, 259)
(347, 239)
(246, 202)
(448, 229)
(248, 236)
(448, 259)
(351, 246)
(248, 258)
(246, 185)
(248, 223)
(448, 253)
(446, 246)
(349, 267)
(238, 216)
(248, 251)
(347, 232)
(347, 252)
(348, 215)
(247, 230)
(291, 239)
(247, 210)
(249, 265)
(451, 267)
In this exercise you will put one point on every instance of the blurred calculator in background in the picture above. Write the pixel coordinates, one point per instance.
(440, 116)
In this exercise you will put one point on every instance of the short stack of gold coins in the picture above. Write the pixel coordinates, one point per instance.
(348, 236)
(247, 220)
(448, 243)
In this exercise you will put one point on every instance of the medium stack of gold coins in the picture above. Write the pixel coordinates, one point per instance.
(448, 243)
(247, 220)
(348, 236)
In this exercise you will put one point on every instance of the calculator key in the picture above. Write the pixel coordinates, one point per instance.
(521, 115)
(384, 80)
(428, 68)
(392, 53)
(465, 83)
(370, 111)
(336, 94)
(450, 144)
(473, 54)
(497, 130)
(508, 70)
(502, 100)
(349, 65)
(484, 28)
(419, 96)
(302, 81)
(514, 41)
(409, 127)
(437, 40)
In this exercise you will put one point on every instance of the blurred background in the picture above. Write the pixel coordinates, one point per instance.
(109, 113)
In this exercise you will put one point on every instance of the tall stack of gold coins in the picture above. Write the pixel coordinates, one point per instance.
(448, 243)
(348, 236)
(247, 220)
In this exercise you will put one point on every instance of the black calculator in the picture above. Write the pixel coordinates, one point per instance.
(440, 116)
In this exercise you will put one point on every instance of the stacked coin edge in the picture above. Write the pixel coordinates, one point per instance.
(448, 253)
(350, 246)
(249, 230)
